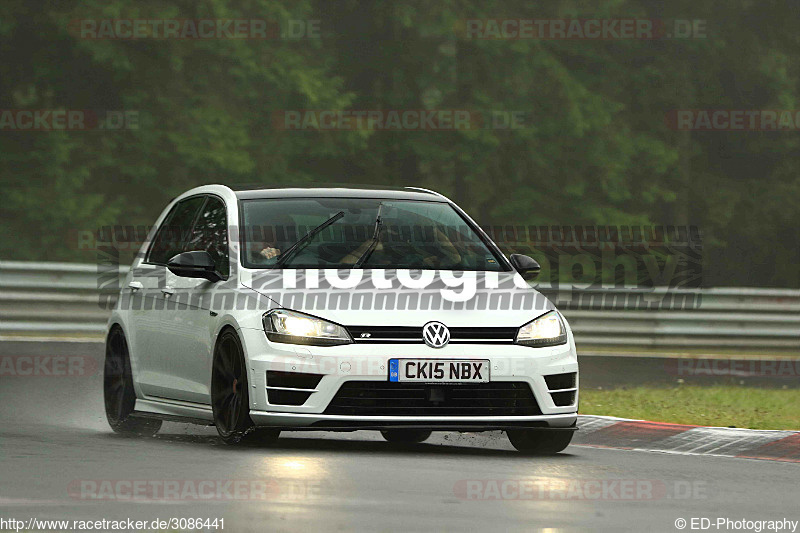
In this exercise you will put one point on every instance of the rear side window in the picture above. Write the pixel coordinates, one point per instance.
(175, 231)
(210, 233)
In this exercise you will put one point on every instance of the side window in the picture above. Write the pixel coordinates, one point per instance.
(174, 231)
(210, 233)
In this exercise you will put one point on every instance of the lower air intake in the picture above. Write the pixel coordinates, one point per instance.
(563, 399)
(561, 381)
(278, 382)
(383, 398)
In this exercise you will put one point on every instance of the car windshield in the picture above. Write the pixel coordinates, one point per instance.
(411, 234)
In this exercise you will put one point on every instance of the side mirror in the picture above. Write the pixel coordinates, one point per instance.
(194, 265)
(528, 267)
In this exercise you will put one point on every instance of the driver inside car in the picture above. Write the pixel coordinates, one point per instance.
(393, 249)
(270, 240)
(425, 244)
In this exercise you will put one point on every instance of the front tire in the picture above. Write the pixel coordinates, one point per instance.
(405, 436)
(118, 393)
(230, 398)
(539, 441)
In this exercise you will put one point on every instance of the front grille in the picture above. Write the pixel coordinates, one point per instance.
(413, 334)
(382, 398)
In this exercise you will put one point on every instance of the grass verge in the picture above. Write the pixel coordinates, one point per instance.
(742, 407)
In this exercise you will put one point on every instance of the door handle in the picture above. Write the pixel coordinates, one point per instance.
(135, 286)
(168, 291)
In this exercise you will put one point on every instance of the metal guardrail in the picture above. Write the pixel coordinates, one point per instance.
(62, 299)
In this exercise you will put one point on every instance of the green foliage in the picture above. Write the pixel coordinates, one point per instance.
(594, 149)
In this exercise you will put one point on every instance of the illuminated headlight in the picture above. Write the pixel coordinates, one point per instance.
(547, 330)
(282, 325)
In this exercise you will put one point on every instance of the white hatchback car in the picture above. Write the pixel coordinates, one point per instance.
(336, 309)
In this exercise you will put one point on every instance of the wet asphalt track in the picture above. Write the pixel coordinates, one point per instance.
(53, 436)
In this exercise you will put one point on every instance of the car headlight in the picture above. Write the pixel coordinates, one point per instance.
(547, 330)
(282, 325)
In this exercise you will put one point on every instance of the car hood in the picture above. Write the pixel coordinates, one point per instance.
(375, 297)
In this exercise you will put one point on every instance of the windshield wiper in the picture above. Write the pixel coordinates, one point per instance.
(375, 238)
(293, 249)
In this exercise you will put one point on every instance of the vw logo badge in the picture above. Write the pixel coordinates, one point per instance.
(435, 334)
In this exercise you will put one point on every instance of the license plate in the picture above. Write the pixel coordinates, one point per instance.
(439, 370)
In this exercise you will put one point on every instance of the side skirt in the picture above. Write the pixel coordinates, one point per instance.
(174, 411)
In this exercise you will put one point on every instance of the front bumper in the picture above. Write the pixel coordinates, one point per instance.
(355, 362)
(450, 423)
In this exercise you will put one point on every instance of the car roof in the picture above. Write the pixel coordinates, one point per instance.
(250, 193)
